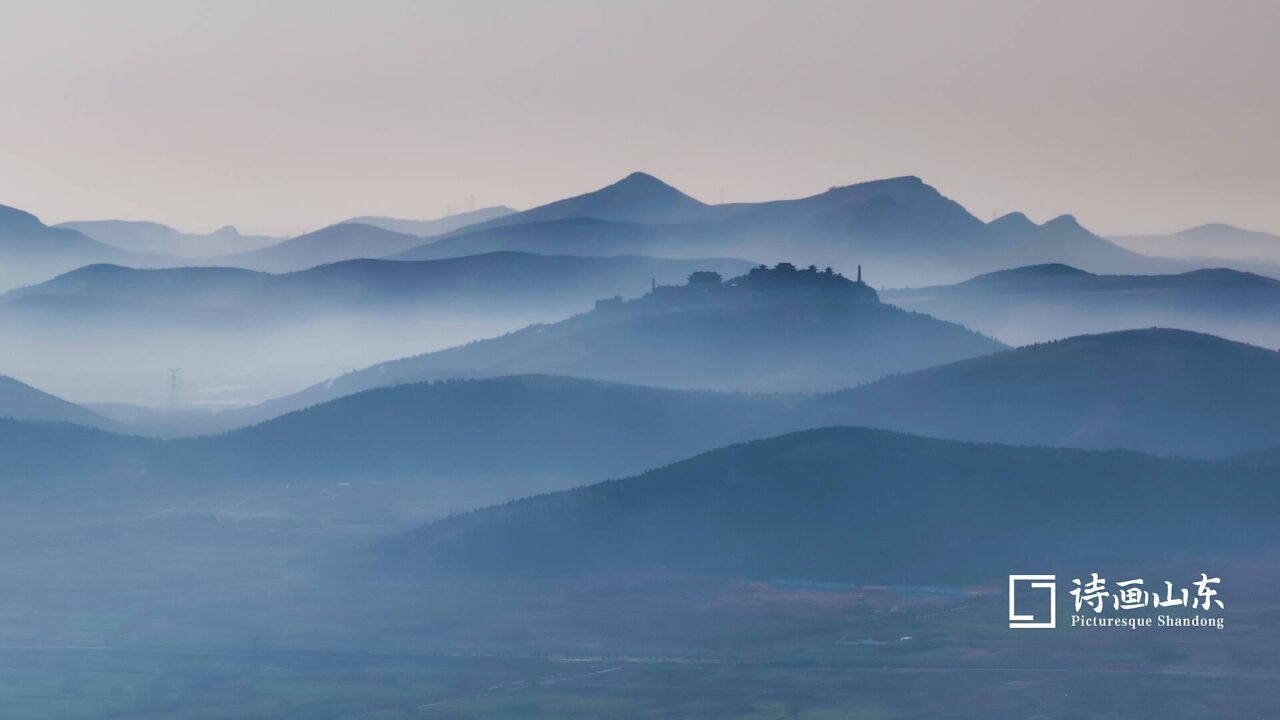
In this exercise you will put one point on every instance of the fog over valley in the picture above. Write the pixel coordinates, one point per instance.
(424, 360)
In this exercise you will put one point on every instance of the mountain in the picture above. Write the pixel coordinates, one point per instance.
(1167, 392)
(780, 329)
(534, 429)
(345, 241)
(1217, 240)
(38, 452)
(569, 236)
(438, 226)
(32, 251)
(902, 229)
(150, 237)
(110, 289)
(240, 337)
(1044, 302)
(515, 435)
(908, 232)
(1270, 458)
(492, 281)
(861, 506)
(19, 401)
(638, 197)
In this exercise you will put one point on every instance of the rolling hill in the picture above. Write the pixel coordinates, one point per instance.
(703, 335)
(568, 236)
(525, 434)
(437, 226)
(861, 506)
(493, 281)
(1212, 240)
(1167, 392)
(544, 429)
(1270, 457)
(31, 251)
(19, 401)
(155, 238)
(344, 241)
(1046, 302)
(241, 337)
(38, 452)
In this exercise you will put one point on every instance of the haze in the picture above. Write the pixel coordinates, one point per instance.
(286, 116)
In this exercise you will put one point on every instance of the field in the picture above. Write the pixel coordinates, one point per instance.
(102, 683)
(226, 610)
(779, 652)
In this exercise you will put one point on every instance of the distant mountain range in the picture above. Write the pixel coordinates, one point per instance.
(437, 226)
(903, 230)
(227, 245)
(154, 238)
(335, 243)
(1214, 240)
(526, 434)
(1045, 302)
(1171, 393)
(568, 236)
(1168, 392)
(783, 329)
(31, 251)
(470, 284)
(858, 506)
(112, 334)
(1165, 392)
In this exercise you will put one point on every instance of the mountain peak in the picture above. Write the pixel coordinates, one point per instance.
(1230, 276)
(1028, 273)
(1221, 231)
(642, 182)
(639, 176)
(901, 183)
(638, 197)
(1065, 222)
(1012, 222)
(12, 217)
(1214, 227)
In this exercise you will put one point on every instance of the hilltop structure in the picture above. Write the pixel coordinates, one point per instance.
(766, 282)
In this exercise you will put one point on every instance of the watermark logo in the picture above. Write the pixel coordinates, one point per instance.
(1127, 603)
(1046, 607)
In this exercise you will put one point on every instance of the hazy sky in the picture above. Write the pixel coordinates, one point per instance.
(284, 116)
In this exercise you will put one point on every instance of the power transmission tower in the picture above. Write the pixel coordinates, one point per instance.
(173, 386)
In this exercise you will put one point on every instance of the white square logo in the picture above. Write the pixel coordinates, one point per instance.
(1035, 619)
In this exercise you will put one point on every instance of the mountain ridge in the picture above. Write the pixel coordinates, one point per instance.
(19, 401)
(1160, 391)
(144, 236)
(30, 250)
(778, 507)
(433, 226)
(1043, 302)
(673, 325)
(902, 226)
